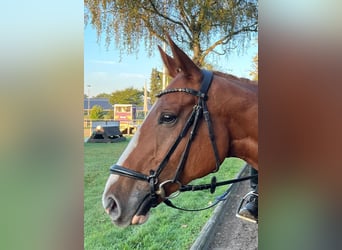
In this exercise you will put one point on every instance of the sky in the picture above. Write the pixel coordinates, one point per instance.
(105, 73)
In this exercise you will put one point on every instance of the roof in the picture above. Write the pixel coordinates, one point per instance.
(103, 102)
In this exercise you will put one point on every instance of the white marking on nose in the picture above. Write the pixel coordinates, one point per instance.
(113, 177)
(130, 147)
(133, 143)
(111, 180)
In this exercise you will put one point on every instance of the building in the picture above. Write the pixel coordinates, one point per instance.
(103, 102)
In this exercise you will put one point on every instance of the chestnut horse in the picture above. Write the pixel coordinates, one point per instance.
(201, 118)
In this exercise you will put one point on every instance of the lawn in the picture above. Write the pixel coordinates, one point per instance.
(167, 228)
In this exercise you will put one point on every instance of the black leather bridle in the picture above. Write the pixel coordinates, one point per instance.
(199, 110)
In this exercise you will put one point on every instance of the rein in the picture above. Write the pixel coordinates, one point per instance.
(199, 110)
(212, 186)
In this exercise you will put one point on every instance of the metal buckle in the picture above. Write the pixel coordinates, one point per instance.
(161, 190)
(243, 202)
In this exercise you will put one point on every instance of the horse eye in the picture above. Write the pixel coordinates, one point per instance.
(167, 118)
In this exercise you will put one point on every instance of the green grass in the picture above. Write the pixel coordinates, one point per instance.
(166, 228)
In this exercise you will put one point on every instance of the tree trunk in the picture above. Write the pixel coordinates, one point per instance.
(196, 48)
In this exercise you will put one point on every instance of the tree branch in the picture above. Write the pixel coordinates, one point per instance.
(226, 39)
(169, 19)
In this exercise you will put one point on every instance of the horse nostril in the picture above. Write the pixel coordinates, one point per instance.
(111, 206)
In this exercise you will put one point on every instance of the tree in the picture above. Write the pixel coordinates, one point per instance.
(127, 96)
(96, 112)
(202, 27)
(109, 115)
(155, 84)
(103, 95)
(254, 72)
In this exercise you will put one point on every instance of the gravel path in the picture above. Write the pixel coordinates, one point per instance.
(224, 230)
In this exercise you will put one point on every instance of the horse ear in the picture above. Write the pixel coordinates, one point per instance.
(183, 62)
(169, 62)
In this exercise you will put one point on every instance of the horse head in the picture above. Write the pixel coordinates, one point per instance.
(174, 145)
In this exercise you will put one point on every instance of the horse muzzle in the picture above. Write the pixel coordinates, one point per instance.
(130, 208)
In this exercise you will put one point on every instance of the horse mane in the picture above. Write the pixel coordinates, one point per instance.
(241, 81)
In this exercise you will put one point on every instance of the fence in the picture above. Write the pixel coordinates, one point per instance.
(126, 128)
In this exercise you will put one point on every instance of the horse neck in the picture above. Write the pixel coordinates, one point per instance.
(240, 102)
